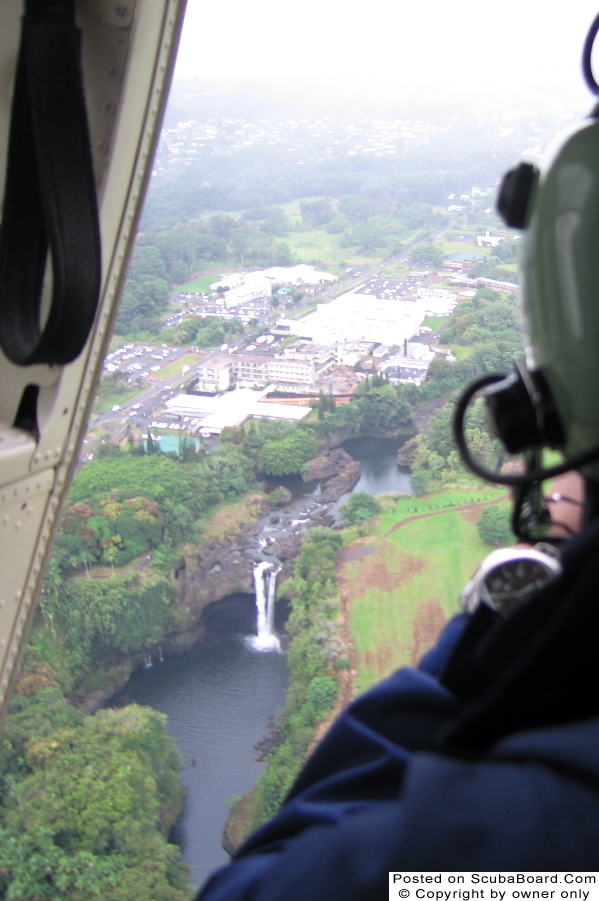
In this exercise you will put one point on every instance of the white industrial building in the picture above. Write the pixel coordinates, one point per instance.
(358, 317)
(242, 287)
(488, 240)
(408, 372)
(410, 366)
(437, 301)
(232, 280)
(302, 274)
(214, 375)
(254, 287)
(295, 368)
(231, 409)
(349, 354)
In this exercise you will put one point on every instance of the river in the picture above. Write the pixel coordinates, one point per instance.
(219, 698)
(380, 472)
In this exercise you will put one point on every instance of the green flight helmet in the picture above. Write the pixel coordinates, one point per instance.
(552, 399)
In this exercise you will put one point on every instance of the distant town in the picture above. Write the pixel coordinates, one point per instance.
(378, 326)
(371, 232)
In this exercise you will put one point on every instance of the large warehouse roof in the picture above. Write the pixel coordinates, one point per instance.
(232, 409)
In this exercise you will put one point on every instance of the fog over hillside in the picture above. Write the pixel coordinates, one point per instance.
(383, 55)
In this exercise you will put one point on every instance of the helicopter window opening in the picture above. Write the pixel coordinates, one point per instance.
(26, 418)
(226, 195)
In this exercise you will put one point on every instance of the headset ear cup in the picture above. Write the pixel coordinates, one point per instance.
(516, 195)
(511, 414)
(522, 412)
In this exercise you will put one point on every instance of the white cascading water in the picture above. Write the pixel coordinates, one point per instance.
(265, 582)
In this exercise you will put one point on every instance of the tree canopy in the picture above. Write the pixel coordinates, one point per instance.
(80, 821)
(359, 507)
(279, 458)
(494, 526)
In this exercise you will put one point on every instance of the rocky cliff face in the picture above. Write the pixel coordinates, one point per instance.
(226, 568)
(338, 469)
(222, 569)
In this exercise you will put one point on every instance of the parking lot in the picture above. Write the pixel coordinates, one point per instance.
(209, 305)
(142, 360)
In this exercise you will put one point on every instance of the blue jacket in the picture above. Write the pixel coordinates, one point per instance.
(486, 757)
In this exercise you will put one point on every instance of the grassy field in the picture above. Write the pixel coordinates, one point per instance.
(120, 395)
(403, 582)
(462, 353)
(434, 322)
(208, 214)
(315, 246)
(462, 247)
(292, 209)
(319, 248)
(176, 367)
(399, 270)
(200, 284)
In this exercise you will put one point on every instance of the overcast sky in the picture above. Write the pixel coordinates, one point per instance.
(467, 48)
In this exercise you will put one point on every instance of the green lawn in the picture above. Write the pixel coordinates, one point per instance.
(462, 353)
(119, 395)
(317, 247)
(200, 284)
(435, 322)
(292, 209)
(400, 270)
(176, 367)
(401, 593)
(208, 214)
(462, 247)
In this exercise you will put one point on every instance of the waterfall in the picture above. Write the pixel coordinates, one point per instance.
(265, 582)
(147, 660)
(270, 604)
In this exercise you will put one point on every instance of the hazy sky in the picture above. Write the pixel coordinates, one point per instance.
(425, 48)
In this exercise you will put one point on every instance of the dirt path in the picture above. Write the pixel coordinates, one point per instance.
(461, 508)
(351, 554)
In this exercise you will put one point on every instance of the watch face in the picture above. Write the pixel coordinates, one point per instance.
(508, 577)
(510, 583)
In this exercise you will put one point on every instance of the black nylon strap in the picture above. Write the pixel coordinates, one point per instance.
(50, 197)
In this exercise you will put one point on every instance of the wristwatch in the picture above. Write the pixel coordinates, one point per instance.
(509, 576)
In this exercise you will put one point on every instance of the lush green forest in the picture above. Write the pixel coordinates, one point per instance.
(487, 329)
(87, 802)
(288, 160)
